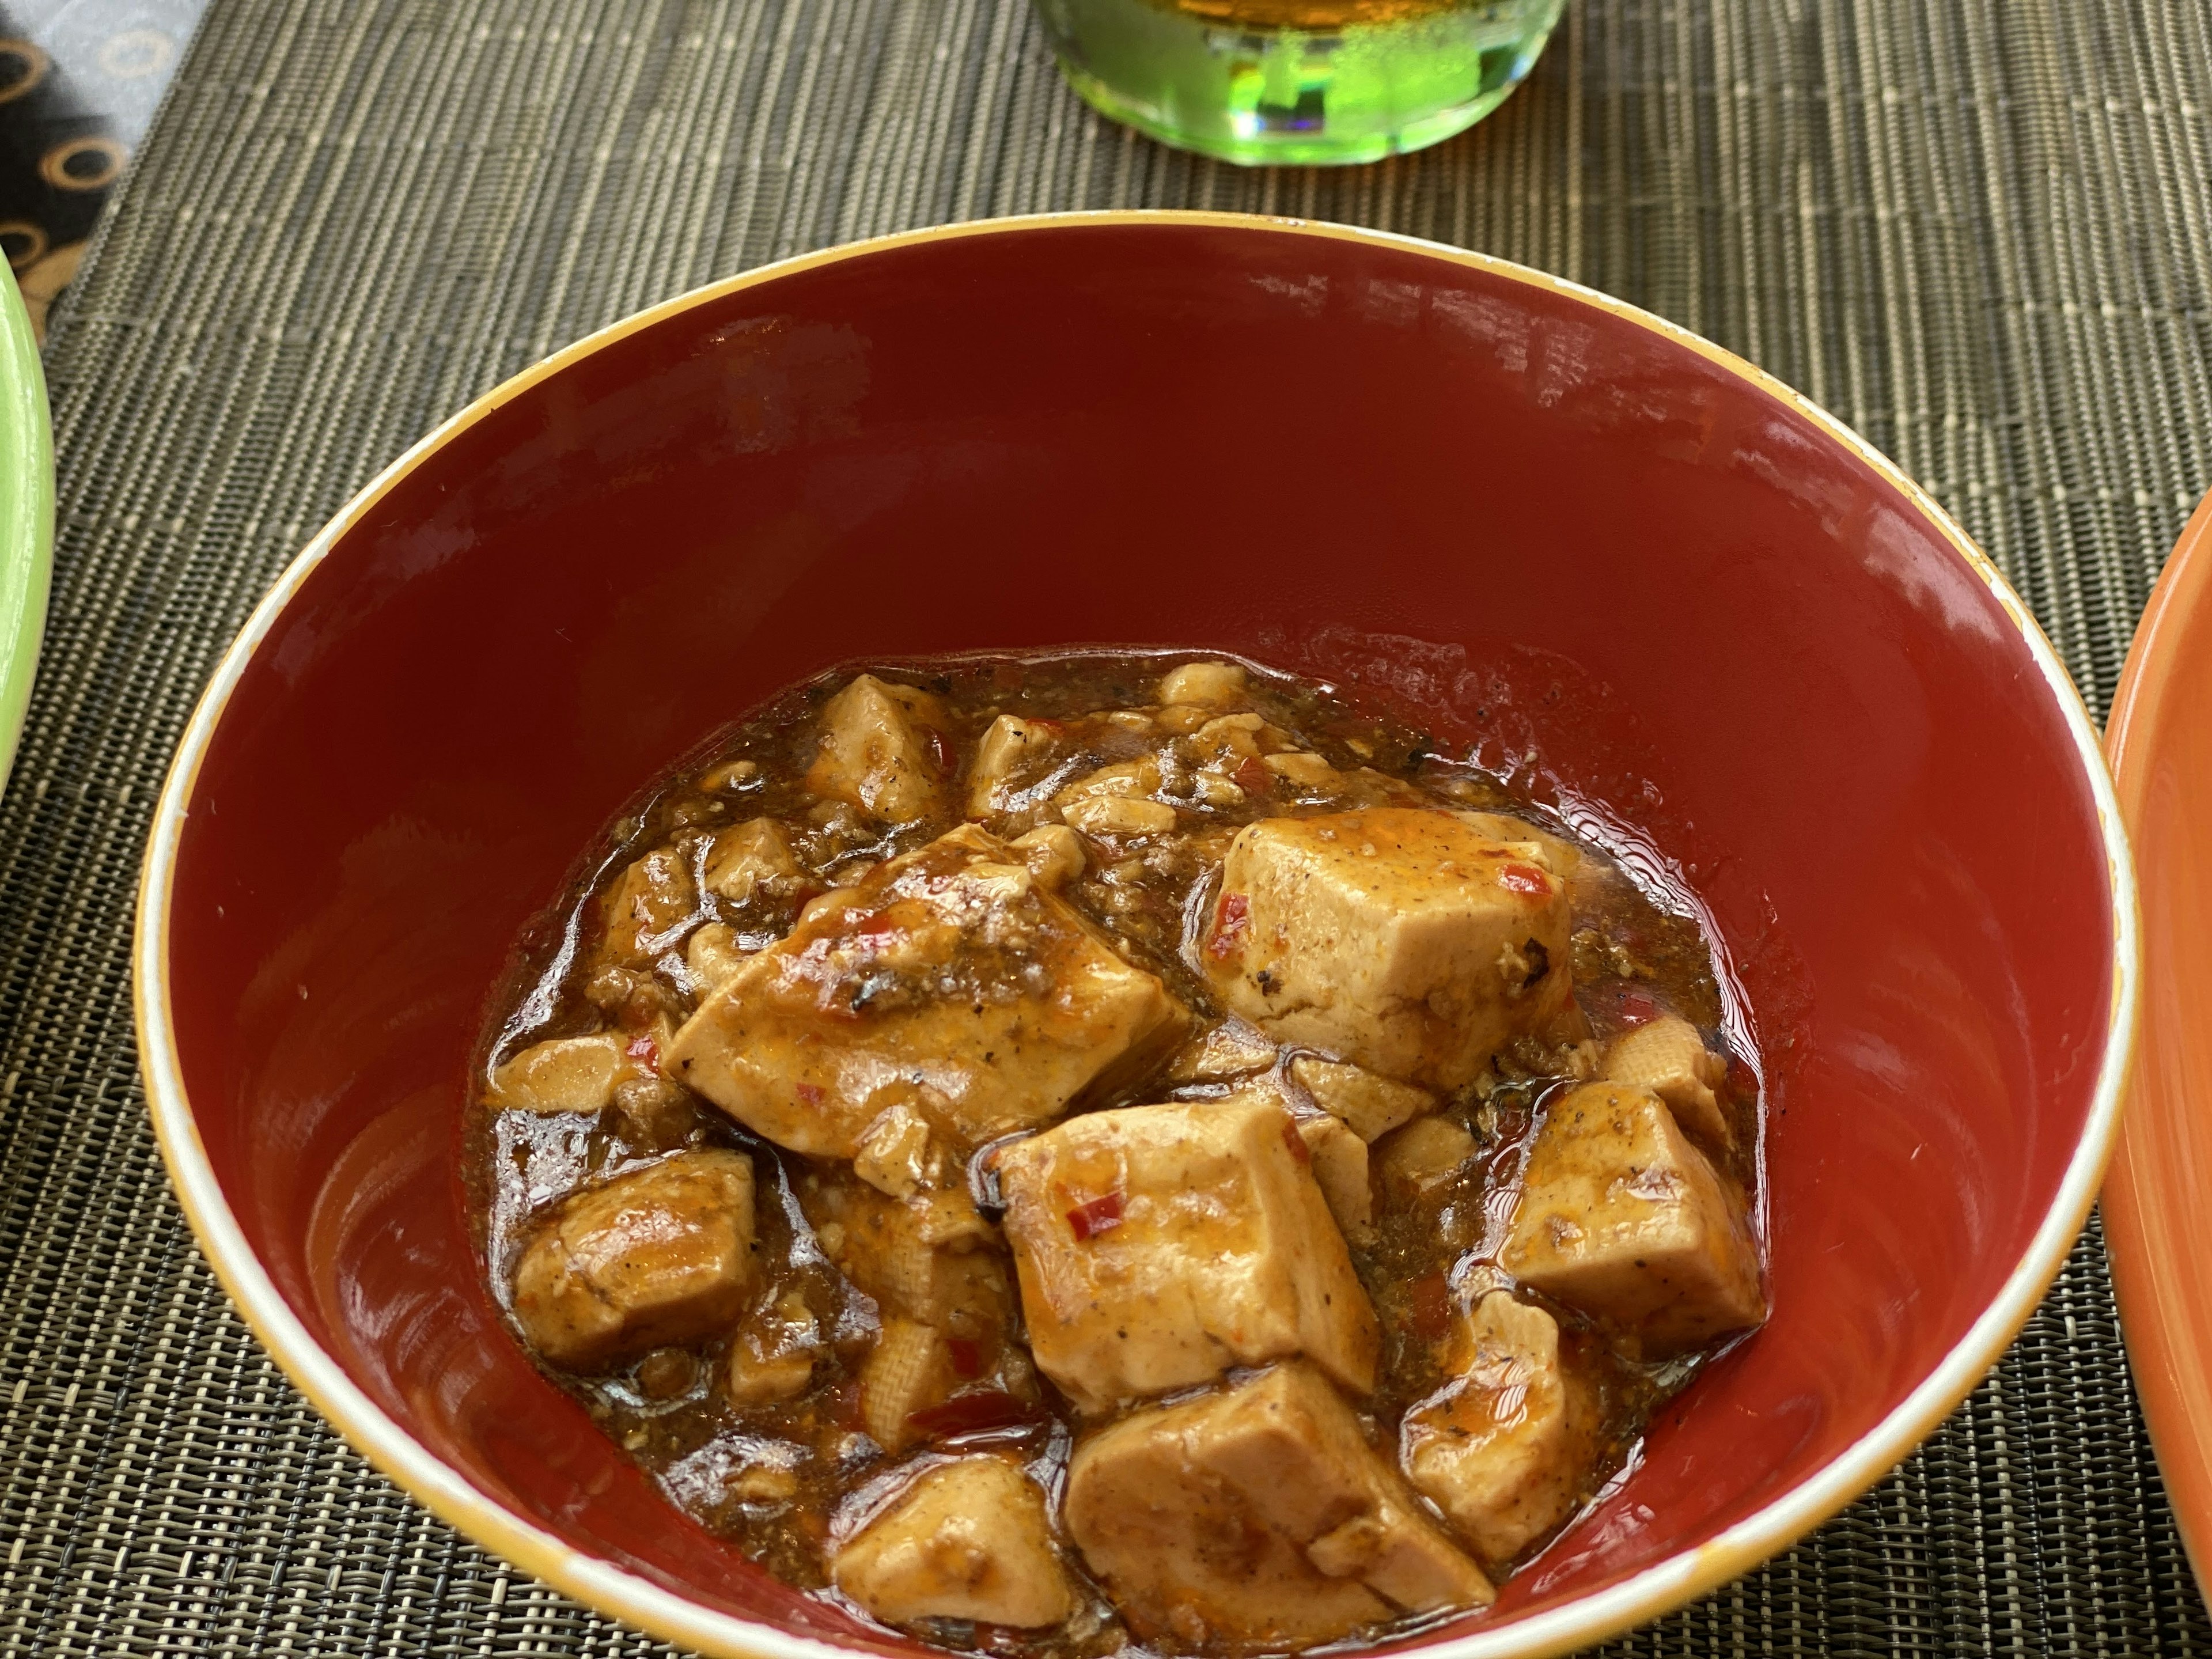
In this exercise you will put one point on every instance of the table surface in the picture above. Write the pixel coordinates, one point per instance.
(1980, 231)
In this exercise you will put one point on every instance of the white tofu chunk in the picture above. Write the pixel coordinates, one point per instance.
(879, 749)
(948, 981)
(1054, 853)
(712, 954)
(649, 906)
(1116, 801)
(1340, 1167)
(1621, 1217)
(1157, 1246)
(1666, 1056)
(773, 1354)
(1372, 1106)
(751, 858)
(1230, 1049)
(1007, 752)
(966, 1539)
(1507, 1447)
(1207, 684)
(1395, 938)
(1426, 1153)
(658, 1257)
(562, 1074)
(1257, 1516)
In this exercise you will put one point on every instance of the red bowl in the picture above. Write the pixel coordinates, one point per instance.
(1586, 544)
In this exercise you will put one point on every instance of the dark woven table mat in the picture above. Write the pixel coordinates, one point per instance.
(1978, 230)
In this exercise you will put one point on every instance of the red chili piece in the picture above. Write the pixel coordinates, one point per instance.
(1252, 777)
(810, 1094)
(975, 1412)
(967, 1358)
(1098, 1215)
(1525, 879)
(940, 750)
(1228, 926)
(1295, 1142)
(645, 1052)
(1637, 1008)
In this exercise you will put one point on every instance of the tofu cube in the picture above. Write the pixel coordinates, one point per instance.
(1370, 1106)
(1398, 938)
(1507, 1447)
(1157, 1246)
(880, 750)
(658, 1257)
(1012, 748)
(1207, 684)
(1666, 1056)
(1621, 1217)
(1257, 1516)
(562, 1074)
(949, 980)
(1340, 1167)
(966, 1539)
(753, 858)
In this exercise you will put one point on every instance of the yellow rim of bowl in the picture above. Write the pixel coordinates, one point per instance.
(614, 1590)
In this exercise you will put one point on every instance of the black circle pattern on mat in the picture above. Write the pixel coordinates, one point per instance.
(79, 80)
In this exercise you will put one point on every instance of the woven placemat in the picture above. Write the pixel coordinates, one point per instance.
(1978, 230)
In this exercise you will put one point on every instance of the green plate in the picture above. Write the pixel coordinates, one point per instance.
(27, 514)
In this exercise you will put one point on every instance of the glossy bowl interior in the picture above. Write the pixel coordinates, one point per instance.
(1587, 545)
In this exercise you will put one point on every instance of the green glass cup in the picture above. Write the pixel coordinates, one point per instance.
(1297, 81)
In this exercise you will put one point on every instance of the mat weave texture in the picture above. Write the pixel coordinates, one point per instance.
(1980, 231)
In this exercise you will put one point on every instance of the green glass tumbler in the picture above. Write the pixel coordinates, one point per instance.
(1297, 81)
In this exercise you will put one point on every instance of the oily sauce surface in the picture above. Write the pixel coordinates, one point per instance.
(784, 1479)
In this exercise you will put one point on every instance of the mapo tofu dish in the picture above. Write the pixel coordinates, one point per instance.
(1066, 1154)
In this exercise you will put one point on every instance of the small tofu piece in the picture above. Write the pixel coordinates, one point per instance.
(562, 1074)
(1231, 1049)
(1296, 766)
(1621, 1217)
(1425, 1153)
(774, 1353)
(1666, 1056)
(1371, 1105)
(1395, 938)
(1208, 684)
(1157, 1246)
(751, 858)
(894, 1154)
(1340, 1167)
(966, 1539)
(878, 744)
(1008, 750)
(659, 1257)
(711, 953)
(648, 906)
(948, 979)
(1116, 801)
(1119, 816)
(1257, 1515)
(1054, 853)
(1507, 1447)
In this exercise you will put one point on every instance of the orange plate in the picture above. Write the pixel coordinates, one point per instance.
(2157, 1220)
